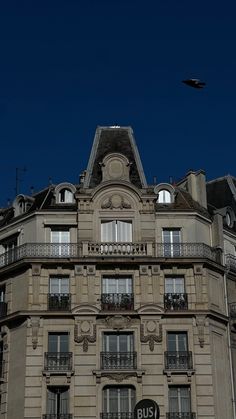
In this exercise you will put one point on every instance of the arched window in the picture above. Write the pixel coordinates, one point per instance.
(164, 197)
(65, 196)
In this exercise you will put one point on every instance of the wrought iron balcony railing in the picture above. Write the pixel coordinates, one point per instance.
(90, 249)
(117, 301)
(57, 416)
(176, 301)
(178, 360)
(118, 360)
(117, 415)
(59, 302)
(3, 309)
(58, 361)
(181, 415)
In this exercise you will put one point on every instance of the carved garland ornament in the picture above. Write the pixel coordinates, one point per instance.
(150, 338)
(115, 201)
(85, 339)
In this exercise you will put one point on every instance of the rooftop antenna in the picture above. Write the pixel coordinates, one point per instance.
(18, 180)
(154, 180)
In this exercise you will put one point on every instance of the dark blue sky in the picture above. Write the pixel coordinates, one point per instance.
(68, 66)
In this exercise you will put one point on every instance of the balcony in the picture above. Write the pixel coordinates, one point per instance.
(3, 309)
(59, 302)
(178, 360)
(117, 302)
(89, 249)
(178, 415)
(114, 415)
(57, 416)
(58, 361)
(118, 360)
(176, 301)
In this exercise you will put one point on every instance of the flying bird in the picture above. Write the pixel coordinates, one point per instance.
(196, 83)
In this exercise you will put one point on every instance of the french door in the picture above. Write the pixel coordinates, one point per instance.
(171, 241)
(61, 240)
(118, 399)
(57, 401)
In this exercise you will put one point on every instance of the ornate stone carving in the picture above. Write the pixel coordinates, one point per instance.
(152, 337)
(35, 324)
(118, 321)
(85, 338)
(115, 201)
(201, 323)
(115, 166)
(119, 376)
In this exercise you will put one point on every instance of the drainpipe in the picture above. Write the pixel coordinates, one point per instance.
(229, 341)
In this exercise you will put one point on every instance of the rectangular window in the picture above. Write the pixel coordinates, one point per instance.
(59, 294)
(175, 296)
(177, 341)
(8, 250)
(57, 402)
(171, 240)
(118, 399)
(118, 342)
(58, 358)
(60, 242)
(117, 293)
(59, 285)
(116, 231)
(118, 351)
(174, 285)
(179, 399)
(58, 342)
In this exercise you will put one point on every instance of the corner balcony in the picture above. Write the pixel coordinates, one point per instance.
(58, 361)
(59, 302)
(176, 301)
(178, 360)
(117, 302)
(118, 360)
(180, 415)
(39, 251)
(57, 416)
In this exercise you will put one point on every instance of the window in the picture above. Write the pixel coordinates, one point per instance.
(118, 351)
(171, 241)
(179, 400)
(175, 297)
(57, 402)
(8, 250)
(116, 231)
(58, 358)
(59, 296)
(177, 341)
(60, 239)
(117, 293)
(164, 197)
(3, 304)
(118, 400)
(65, 196)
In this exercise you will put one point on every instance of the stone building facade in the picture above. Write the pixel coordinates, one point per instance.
(114, 290)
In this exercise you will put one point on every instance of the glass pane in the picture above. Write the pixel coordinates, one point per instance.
(166, 236)
(184, 399)
(111, 286)
(54, 285)
(64, 342)
(169, 285)
(55, 236)
(124, 399)
(52, 342)
(124, 231)
(64, 402)
(182, 342)
(113, 399)
(64, 285)
(171, 342)
(51, 402)
(179, 285)
(108, 231)
(65, 237)
(173, 399)
(176, 236)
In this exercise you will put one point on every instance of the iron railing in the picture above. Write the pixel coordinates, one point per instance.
(3, 309)
(117, 301)
(181, 360)
(87, 249)
(116, 415)
(58, 361)
(57, 416)
(59, 302)
(118, 360)
(176, 301)
(181, 415)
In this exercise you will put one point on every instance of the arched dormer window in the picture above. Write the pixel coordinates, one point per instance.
(22, 204)
(64, 193)
(165, 193)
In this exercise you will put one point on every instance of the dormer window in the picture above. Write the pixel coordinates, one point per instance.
(165, 193)
(22, 204)
(64, 193)
(65, 196)
(164, 197)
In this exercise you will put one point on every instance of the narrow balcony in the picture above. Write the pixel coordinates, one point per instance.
(117, 302)
(3, 309)
(117, 415)
(58, 361)
(39, 251)
(59, 302)
(178, 360)
(57, 416)
(176, 301)
(181, 415)
(118, 360)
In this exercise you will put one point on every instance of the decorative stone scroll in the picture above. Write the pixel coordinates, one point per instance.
(150, 327)
(35, 324)
(88, 333)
